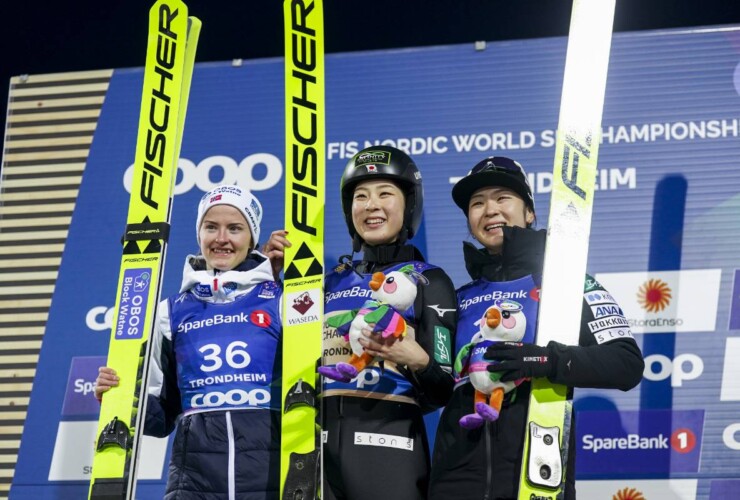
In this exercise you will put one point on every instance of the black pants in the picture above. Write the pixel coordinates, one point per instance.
(375, 450)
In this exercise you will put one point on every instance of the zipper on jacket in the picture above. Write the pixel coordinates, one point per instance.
(231, 472)
(489, 461)
(185, 432)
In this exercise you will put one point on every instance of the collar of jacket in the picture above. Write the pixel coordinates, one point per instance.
(390, 254)
(226, 286)
(523, 254)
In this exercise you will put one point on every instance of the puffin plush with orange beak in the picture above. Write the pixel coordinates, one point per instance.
(502, 322)
(392, 294)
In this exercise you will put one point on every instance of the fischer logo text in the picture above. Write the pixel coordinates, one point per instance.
(156, 149)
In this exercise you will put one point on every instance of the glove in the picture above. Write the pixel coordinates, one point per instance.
(515, 360)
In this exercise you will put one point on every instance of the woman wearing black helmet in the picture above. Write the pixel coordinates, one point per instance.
(480, 444)
(376, 445)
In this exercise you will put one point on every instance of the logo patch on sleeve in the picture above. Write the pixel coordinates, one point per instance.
(442, 345)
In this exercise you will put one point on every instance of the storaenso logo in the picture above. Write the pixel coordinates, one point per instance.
(305, 155)
(159, 122)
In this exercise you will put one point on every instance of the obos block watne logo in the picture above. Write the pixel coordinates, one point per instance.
(133, 301)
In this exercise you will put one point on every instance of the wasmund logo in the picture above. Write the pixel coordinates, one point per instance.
(654, 295)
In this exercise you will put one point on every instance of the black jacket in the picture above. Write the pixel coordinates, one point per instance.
(435, 306)
(405, 473)
(485, 463)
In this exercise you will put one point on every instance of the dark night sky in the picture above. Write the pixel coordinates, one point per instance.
(47, 37)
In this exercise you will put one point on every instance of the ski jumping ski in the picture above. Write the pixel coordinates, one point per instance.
(576, 152)
(170, 57)
(303, 296)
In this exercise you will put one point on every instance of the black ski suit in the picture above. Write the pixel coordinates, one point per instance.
(376, 445)
(485, 463)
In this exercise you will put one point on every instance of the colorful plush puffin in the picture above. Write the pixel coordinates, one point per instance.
(502, 322)
(391, 295)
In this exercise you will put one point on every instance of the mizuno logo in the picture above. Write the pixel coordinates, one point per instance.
(440, 312)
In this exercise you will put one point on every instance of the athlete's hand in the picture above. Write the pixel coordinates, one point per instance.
(107, 378)
(275, 250)
(403, 351)
(516, 360)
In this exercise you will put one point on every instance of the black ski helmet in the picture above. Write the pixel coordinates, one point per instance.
(493, 171)
(384, 162)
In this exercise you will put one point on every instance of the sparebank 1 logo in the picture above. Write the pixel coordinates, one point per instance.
(218, 169)
(654, 295)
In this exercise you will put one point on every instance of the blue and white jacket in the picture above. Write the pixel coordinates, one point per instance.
(215, 376)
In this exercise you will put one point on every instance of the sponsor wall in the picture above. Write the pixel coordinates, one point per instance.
(666, 229)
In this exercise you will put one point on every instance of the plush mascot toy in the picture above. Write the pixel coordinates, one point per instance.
(504, 321)
(391, 295)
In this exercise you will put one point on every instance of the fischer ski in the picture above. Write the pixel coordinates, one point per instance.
(170, 57)
(576, 152)
(303, 297)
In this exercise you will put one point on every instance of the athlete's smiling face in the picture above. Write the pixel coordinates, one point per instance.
(491, 208)
(377, 211)
(225, 239)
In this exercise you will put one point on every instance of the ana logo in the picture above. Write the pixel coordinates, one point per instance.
(302, 303)
(654, 295)
(371, 169)
(628, 494)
